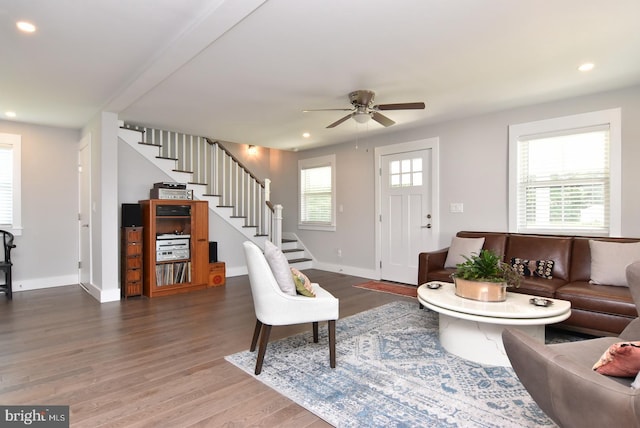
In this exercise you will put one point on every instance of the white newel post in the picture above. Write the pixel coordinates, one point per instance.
(276, 236)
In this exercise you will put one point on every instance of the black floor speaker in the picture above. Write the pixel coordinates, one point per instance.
(213, 252)
(131, 215)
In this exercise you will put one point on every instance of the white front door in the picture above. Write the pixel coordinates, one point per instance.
(406, 212)
(84, 211)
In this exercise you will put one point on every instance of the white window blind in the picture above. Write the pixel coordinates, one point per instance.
(6, 184)
(564, 181)
(317, 193)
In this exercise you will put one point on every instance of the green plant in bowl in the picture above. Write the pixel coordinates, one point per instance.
(487, 267)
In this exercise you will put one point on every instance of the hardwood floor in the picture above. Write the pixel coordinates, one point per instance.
(151, 362)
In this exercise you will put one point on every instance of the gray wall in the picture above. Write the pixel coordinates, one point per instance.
(47, 251)
(473, 170)
(472, 151)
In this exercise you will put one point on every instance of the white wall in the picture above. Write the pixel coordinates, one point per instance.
(473, 171)
(47, 251)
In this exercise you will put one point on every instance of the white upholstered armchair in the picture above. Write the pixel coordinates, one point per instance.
(274, 307)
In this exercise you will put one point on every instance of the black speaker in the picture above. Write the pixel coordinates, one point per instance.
(213, 252)
(131, 215)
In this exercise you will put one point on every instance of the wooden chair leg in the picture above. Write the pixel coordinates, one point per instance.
(256, 334)
(332, 343)
(315, 332)
(266, 330)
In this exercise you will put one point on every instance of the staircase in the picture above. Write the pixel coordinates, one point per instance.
(215, 175)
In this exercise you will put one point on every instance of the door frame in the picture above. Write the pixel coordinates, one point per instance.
(433, 144)
(85, 144)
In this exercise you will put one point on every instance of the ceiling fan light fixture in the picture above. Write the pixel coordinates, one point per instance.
(361, 117)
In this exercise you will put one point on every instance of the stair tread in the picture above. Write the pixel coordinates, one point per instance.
(182, 170)
(289, 240)
(299, 260)
(293, 250)
(144, 143)
(165, 157)
(132, 129)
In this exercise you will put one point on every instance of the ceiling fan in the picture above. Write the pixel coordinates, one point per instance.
(363, 109)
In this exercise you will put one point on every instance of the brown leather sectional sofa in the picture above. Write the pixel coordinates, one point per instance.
(600, 310)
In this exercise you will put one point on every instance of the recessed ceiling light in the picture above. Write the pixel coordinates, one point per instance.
(25, 26)
(306, 135)
(10, 113)
(587, 66)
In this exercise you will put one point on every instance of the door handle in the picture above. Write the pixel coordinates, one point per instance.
(85, 225)
(426, 226)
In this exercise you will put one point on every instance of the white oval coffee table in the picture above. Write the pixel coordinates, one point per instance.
(472, 329)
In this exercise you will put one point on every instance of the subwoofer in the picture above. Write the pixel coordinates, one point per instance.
(213, 252)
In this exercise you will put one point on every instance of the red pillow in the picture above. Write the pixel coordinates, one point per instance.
(622, 359)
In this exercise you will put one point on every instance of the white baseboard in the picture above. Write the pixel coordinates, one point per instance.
(102, 296)
(347, 270)
(40, 283)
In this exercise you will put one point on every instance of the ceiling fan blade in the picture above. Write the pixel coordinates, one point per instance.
(381, 119)
(327, 109)
(338, 122)
(400, 106)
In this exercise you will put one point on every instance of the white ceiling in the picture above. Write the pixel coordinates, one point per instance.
(243, 70)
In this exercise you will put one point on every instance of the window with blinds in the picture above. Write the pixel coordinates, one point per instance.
(563, 180)
(10, 183)
(6, 184)
(317, 193)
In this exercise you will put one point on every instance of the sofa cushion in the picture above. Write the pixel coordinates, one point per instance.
(443, 275)
(598, 298)
(581, 256)
(539, 268)
(539, 286)
(494, 241)
(609, 261)
(461, 248)
(537, 247)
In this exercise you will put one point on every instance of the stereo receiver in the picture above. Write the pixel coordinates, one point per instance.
(163, 193)
(168, 249)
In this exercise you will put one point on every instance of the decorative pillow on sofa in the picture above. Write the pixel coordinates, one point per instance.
(539, 268)
(280, 268)
(622, 359)
(303, 285)
(461, 248)
(609, 261)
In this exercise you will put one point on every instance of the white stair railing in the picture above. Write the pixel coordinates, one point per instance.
(212, 165)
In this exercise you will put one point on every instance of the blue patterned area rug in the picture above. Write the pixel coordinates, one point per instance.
(392, 372)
